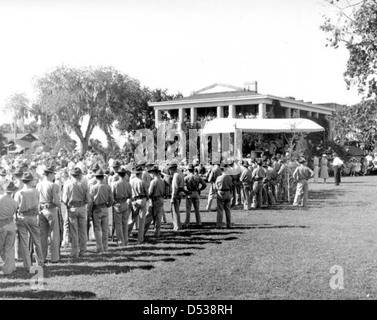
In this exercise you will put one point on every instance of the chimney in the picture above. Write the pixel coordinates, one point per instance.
(251, 86)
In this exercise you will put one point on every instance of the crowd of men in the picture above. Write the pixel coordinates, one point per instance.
(47, 204)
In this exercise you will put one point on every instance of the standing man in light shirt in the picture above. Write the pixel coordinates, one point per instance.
(27, 200)
(177, 187)
(48, 219)
(76, 196)
(139, 197)
(122, 194)
(8, 208)
(337, 164)
(302, 174)
(102, 199)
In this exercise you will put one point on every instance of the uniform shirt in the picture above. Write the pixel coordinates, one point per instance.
(246, 176)
(259, 173)
(27, 199)
(215, 172)
(178, 183)
(302, 173)
(101, 193)
(8, 207)
(138, 187)
(75, 190)
(121, 189)
(224, 182)
(271, 173)
(48, 192)
(146, 177)
(156, 188)
(193, 181)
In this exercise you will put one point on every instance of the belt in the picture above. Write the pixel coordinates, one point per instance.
(224, 190)
(102, 205)
(4, 222)
(30, 212)
(47, 205)
(139, 197)
(121, 200)
(156, 198)
(76, 204)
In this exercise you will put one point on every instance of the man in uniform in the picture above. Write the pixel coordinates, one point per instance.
(102, 199)
(302, 174)
(48, 218)
(177, 187)
(246, 180)
(212, 176)
(8, 208)
(156, 193)
(139, 196)
(194, 185)
(258, 175)
(76, 196)
(224, 187)
(122, 194)
(27, 200)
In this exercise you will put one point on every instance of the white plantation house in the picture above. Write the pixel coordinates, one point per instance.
(227, 101)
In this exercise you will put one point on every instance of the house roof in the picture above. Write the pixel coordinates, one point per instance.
(21, 136)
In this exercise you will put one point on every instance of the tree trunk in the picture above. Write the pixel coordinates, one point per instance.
(84, 145)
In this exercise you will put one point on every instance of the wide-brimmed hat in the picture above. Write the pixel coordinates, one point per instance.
(191, 167)
(172, 165)
(137, 169)
(95, 167)
(27, 177)
(48, 169)
(324, 155)
(116, 164)
(99, 173)
(18, 173)
(3, 172)
(121, 170)
(141, 162)
(9, 186)
(154, 169)
(76, 171)
(301, 160)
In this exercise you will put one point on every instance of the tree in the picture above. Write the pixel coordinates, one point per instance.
(357, 123)
(356, 28)
(18, 106)
(67, 95)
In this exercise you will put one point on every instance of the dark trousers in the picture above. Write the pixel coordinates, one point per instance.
(337, 175)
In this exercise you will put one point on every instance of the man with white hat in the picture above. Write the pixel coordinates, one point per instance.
(49, 221)
(8, 208)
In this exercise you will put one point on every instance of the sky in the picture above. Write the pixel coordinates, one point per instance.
(179, 45)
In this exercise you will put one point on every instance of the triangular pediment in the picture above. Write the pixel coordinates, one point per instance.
(218, 87)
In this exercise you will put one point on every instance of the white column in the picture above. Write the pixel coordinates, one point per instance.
(310, 114)
(157, 117)
(232, 111)
(193, 115)
(288, 113)
(316, 114)
(181, 115)
(261, 111)
(220, 112)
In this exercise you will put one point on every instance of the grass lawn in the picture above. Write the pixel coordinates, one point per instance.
(276, 253)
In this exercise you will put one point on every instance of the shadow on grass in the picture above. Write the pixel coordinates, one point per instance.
(325, 194)
(74, 269)
(47, 294)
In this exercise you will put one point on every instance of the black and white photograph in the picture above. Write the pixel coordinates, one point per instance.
(188, 155)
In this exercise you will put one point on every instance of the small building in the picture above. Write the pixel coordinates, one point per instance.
(227, 101)
(20, 143)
